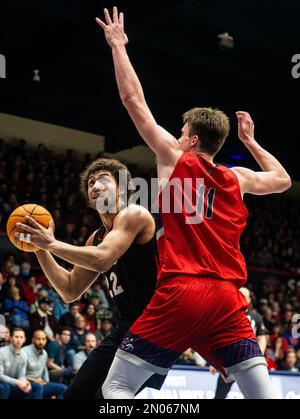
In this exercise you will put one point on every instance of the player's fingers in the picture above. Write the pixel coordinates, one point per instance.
(101, 23)
(32, 222)
(121, 20)
(115, 15)
(107, 17)
(25, 227)
(51, 224)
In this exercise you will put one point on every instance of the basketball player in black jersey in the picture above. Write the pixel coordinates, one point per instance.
(123, 247)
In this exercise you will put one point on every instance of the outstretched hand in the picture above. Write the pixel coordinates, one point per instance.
(245, 127)
(36, 234)
(113, 28)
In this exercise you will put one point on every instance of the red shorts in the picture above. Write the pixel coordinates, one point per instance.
(207, 315)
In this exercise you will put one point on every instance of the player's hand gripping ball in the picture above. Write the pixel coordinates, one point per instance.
(38, 213)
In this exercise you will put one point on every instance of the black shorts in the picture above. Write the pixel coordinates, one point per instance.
(88, 381)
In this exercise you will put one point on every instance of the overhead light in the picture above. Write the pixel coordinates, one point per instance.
(36, 75)
(226, 41)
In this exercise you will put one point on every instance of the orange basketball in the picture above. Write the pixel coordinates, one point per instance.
(38, 213)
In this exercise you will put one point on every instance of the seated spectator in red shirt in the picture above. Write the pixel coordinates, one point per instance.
(90, 317)
(29, 290)
(278, 343)
(270, 358)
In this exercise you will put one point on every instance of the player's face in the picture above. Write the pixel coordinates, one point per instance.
(185, 139)
(102, 191)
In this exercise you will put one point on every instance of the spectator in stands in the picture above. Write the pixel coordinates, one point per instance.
(89, 344)
(78, 334)
(16, 310)
(287, 316)
(11, 204)
(13, 382)
(7, 270)
(191, 357)
(60, 308)
(90, 318)
(36, 367)
(42, 293)
(59, 368)
(7, 286)
(15, 268)
(101, 312)
(270, 358)
(69, 234)
(278, 343)
(43, 319)
(292, 341)
(105, 328)
(25, 271)
(4, 335)
(289, 362)
(268, 318)
(69, 319)
(29, 290)
(97, 291)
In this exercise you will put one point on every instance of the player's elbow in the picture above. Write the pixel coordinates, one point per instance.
(129, 100)
(284, 183)
(68, 299)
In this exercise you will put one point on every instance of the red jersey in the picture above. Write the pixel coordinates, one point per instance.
(202, 216)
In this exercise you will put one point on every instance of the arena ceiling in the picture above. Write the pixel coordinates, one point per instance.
(174, 47)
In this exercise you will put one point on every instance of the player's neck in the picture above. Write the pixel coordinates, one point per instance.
(108, 218)
(205, 156)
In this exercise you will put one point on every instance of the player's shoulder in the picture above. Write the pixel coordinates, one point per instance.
(134, 210)
(242, 172)
(134, 214)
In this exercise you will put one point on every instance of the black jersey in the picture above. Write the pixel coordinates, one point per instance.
(257, 323)
(132, 279)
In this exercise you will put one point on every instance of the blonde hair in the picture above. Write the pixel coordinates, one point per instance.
(210, 125)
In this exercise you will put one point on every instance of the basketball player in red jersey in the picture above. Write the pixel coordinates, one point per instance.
(197, 302)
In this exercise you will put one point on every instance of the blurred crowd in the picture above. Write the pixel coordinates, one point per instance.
(61, 335)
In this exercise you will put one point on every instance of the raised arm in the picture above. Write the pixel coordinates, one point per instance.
(273, 178)
(164, 145)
